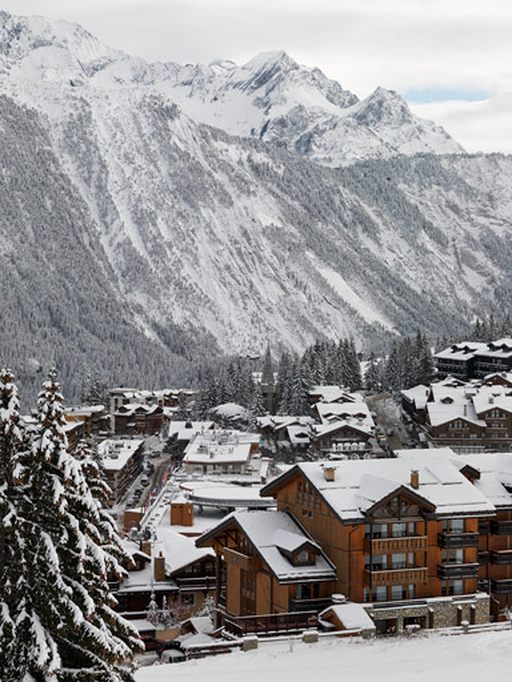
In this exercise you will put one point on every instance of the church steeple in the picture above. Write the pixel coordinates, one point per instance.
(268, 388)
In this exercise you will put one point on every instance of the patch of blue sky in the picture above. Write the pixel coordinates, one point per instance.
(429, 95)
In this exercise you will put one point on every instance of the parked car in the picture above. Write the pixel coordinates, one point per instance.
(144, 480)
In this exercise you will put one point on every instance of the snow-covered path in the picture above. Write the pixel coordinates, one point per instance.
(434, 658)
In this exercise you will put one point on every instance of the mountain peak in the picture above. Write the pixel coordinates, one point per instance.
(275, 58)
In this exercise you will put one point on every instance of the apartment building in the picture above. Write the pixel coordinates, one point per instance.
(400, 537)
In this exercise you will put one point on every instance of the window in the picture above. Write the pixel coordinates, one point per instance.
(453, 525)
(302, 557)
(397, 592)
(402, 560)
(380, 593)
(452, 556)
(398, 530)
(378, 530)
(453, 587)
(187, 599)
(378, 562)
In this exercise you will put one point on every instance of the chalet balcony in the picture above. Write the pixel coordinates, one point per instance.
(483, 527)
(457, 540)
(203, 582)
(270, 623)
(501, 527)
(501, 586)
(454, 571)
(413, 543)
(309, 604)
(501, 557)
(400, 576)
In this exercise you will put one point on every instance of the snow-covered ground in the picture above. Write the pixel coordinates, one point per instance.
(432, 658)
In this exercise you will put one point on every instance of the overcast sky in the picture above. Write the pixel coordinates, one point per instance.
(451, 59)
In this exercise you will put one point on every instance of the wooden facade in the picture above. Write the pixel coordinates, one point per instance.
(399, 529)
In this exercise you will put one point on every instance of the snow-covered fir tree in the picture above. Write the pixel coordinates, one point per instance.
(61, 605)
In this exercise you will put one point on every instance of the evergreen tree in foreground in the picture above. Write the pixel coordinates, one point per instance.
(55, 590)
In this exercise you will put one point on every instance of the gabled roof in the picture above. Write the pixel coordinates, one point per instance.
(494, 469)
(267, 531)
(361, 484)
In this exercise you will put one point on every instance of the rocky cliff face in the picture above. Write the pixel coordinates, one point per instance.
(135, 235)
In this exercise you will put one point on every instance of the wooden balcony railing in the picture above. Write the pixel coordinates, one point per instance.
(401, 576)
(270, 623)
(412, 543)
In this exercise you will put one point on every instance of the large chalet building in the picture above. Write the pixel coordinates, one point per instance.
(406, 538)
(472, 416)
(472, 359)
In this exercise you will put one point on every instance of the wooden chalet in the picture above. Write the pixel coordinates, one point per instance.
(401, 540)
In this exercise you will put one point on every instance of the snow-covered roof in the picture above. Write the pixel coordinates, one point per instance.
(83, 410)
(115, 453)
(298, 434)
(179, 551)
(417, 395)
(265, 529)
(187, 430)
(230, 411)
(333, 393)
(464, 350)
(220, 447)
(360, 484)
(228, 494)
(357, 408)
(290, 541)
(495, 469)
(352, 616)
(467, 402)
(446, 403)
(201, 624)
(279, 422)
(502, 348)
(129, 409)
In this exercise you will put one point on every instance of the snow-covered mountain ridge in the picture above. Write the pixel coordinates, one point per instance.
(130, 230)
(271, 97)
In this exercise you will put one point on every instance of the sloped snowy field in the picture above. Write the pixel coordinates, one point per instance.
(433, 658)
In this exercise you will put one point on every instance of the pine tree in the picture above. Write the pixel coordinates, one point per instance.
(65, 621)
(299, 401)
(153, 612)
(16, 638)
(374, 376)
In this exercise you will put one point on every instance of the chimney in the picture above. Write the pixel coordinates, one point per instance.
(182, 513)
(330, 473)
(415, 479)
(465, 410)
(338, 598)
(145, 547)
(159, 567)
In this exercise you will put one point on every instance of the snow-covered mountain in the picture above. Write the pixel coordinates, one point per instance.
(130, 231)
(271, 97)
